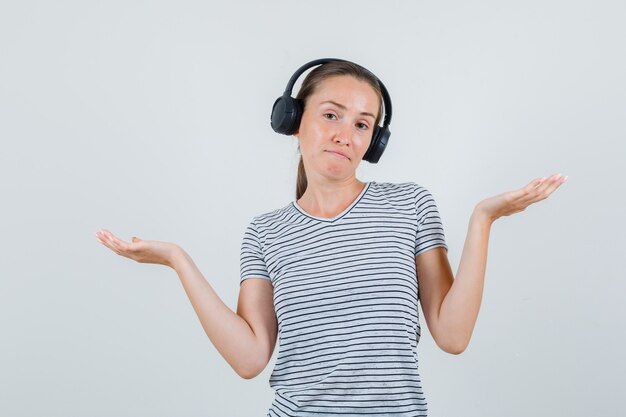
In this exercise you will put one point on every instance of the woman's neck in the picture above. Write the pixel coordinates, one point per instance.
(328, 199)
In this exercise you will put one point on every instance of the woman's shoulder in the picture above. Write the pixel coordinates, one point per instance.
(394, 187)
(401, 192)
(273, 215)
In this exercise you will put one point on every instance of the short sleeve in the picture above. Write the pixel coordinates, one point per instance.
(429, 226)
(252, 262)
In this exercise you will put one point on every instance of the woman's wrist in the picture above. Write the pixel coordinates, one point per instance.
(177, 257)
(482, 216)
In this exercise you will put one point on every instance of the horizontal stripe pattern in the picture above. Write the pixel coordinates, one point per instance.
(345, 296)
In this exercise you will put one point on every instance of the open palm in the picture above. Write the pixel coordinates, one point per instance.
(144, 251)
(515, 201)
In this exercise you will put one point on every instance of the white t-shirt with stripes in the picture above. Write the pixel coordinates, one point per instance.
(345, 296)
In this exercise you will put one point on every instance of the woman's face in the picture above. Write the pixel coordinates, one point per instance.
(338, 117)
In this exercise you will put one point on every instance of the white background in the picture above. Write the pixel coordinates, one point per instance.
(151, 119)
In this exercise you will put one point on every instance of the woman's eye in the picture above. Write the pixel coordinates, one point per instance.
(362, 126)
(329, 116)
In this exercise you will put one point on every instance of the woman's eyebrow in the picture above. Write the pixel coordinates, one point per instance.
(342, 107)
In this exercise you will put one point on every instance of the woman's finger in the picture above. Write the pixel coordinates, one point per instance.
(535, 183)
(112, 238)
(115, 243)
(122, 246)
(108, 239)
(527, 193)
(547, 187)
(552, 183)
(102, 238)
(102, 242)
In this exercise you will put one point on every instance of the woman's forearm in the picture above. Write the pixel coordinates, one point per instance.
(231, 335)
(459, 309)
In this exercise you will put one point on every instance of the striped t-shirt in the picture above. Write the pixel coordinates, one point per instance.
(345, 297)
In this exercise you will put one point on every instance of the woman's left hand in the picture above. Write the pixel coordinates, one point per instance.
(511, 202)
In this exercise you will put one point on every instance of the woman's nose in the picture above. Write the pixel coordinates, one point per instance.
(343, 133)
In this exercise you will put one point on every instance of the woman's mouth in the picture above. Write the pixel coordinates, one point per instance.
(337, 154)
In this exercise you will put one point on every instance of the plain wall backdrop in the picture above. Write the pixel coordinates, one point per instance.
(151, 119)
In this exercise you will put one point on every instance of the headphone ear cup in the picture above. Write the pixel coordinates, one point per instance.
(380, 137)
(286, 115)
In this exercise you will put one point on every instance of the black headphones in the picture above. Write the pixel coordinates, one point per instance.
(287, 112)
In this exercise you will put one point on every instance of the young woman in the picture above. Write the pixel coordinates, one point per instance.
(338, 273)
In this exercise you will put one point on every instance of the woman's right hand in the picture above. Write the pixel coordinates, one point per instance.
(144, 251)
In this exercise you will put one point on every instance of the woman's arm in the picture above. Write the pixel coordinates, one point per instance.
(230, 333)
(451, 305)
